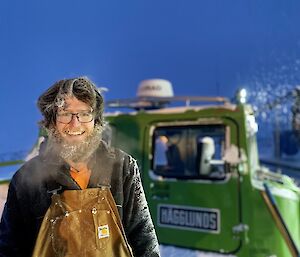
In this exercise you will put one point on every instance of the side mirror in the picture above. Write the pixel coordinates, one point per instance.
(231, 155)
(235, 157)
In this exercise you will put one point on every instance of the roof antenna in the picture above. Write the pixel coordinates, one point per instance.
(155, 88)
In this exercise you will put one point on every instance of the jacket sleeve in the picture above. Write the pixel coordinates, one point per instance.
(10, 225)
(137, 219)
(13, 230)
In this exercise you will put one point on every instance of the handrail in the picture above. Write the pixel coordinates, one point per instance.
(155, 102)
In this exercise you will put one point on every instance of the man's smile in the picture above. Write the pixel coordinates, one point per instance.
(74, 133)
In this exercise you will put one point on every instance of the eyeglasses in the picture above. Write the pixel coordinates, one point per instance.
(66, 117)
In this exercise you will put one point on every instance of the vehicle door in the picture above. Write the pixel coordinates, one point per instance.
(192, 193)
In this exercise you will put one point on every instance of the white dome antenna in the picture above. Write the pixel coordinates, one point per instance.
(155, 88)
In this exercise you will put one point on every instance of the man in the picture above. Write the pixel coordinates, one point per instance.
(78, 197)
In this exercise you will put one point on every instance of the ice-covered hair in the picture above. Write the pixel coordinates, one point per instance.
(54, 97)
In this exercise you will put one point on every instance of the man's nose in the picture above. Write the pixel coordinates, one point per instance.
(74, 121)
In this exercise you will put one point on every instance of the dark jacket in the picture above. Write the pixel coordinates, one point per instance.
(29, 198)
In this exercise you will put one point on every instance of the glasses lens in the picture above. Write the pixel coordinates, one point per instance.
(85, 117)
(64, 117)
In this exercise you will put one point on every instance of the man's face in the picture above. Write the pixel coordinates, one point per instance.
(75, 131)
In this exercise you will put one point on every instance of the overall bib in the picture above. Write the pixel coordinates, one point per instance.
(82, 223)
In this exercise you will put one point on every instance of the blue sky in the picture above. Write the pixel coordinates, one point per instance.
(204, 47)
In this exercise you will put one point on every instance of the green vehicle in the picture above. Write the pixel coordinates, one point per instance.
(202, 177)
(207, 192)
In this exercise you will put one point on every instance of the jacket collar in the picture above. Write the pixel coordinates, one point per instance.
(102, 164)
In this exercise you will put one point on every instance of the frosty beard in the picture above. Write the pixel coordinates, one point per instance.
(75, 152)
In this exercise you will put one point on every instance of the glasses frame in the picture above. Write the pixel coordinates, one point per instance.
(75, 114)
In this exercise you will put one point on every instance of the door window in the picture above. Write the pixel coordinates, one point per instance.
(189, 151)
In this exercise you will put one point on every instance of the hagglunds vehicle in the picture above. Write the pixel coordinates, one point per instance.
(201, 173)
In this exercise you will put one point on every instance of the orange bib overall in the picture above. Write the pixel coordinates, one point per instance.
(82, 223)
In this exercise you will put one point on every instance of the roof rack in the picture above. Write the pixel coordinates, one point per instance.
(160, 102)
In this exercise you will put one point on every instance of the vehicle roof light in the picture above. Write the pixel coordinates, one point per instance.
(241, 96)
